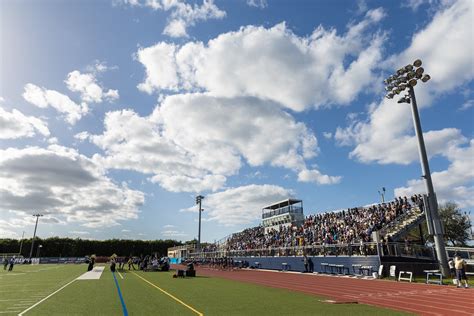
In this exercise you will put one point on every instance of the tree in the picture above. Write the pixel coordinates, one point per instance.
(457, 226)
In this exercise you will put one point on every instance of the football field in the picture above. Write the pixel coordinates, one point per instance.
(56, 290)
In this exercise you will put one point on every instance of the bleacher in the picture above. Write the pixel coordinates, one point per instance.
(337, 241)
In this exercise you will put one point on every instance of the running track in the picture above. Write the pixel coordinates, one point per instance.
(421, 299)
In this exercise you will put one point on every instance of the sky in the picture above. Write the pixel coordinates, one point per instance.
(115, 114)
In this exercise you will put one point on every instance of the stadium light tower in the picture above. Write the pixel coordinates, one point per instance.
(199, 199)
(34, 234)
(382, 194)
(406, 78)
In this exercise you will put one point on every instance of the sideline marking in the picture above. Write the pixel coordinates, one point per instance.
(170, 295)
(120, 274)
(44, 299)
(124, 308)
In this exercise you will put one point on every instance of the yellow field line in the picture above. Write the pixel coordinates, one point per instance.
(170, 295)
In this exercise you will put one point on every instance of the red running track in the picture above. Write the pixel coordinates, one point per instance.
(421, 299)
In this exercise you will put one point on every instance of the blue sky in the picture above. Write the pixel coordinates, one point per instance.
(115, 114)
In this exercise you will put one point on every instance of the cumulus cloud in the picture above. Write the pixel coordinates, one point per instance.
(207, 143)
(44, 98)
(297, 72)
(262, 4)
(182, 14)
(64, 185)
(241, 205)
(386, 135)
(453, 184)
(86, 84)
(15, 124)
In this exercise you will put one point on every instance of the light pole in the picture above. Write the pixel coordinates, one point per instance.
(407, 78)
(34, 234)
(21, 242)
(382, 194)
(199, 199)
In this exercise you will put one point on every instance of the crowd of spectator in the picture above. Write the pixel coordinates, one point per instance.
(354, 225)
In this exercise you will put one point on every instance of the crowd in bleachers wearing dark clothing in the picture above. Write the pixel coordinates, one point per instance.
(351, 226)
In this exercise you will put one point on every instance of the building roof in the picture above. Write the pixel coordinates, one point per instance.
(283, 203)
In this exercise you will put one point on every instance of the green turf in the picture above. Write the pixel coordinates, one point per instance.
(210, 296)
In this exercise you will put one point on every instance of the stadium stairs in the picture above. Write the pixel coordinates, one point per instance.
(398, 228)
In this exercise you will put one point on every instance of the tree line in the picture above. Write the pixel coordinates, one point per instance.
(69, 247)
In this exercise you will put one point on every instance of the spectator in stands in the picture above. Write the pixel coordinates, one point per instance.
(460, 265)
(354, 225)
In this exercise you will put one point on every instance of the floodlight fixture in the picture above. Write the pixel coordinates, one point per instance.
(419, 71)
(412, 82)
(417, 63)
(408, 68)
(425, 78)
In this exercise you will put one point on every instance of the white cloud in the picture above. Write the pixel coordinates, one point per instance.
(169, 226)
(317, 177)
(173, 233)
(467, 105)
(15, 124)
(86, 84)
(79, 232)
(206, 144)
(452, 184)
(386, 136)
(182, 14)
(64, 185)
(241, 205)
(262, 4)
(297, 72)
(43, 98)
(415, 4)
(327, 135)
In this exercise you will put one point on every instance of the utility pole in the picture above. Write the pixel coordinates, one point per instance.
(21, 242)
(199, 199)
(34, 234)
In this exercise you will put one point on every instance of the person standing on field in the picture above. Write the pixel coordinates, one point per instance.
(460, 265)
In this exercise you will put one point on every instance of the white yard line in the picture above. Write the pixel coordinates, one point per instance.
(121, 276)
(8, 312)
(44, 299)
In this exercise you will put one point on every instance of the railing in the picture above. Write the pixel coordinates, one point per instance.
(366, 249)
(407, 250)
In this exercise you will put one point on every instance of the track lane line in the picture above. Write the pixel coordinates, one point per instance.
(170, 295)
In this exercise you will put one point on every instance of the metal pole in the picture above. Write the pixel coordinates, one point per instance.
(199, 231)
(34, 234)
(432, 201)
(21, 242)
